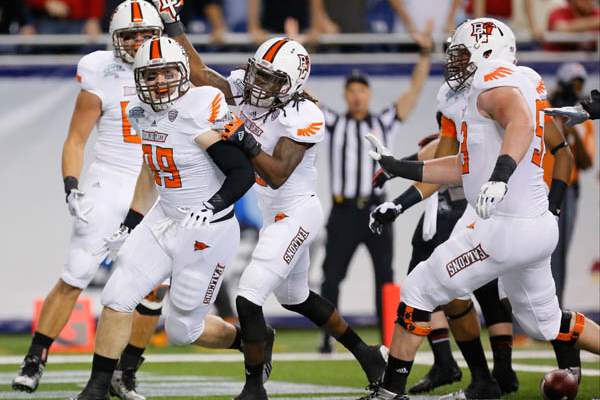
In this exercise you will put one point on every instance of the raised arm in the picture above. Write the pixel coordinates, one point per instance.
(407, 100)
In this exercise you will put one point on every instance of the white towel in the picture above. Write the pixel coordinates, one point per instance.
(430, 219)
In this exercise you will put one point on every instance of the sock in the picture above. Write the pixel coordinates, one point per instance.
(237, 341)
(474, 356)
(396, 374)
(350, 340)
(254, 374)
(102, 371)
(40, 344)
(439, 340)
(131, 357)
(567, 355)
(502, 349)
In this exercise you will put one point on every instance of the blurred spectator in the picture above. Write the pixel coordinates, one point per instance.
(412, 16)
(350, 16)
(568, 92)
(14, 17)
(575, 16)
(272, 16)
(67, 16)
(499, 9)
(212, 11)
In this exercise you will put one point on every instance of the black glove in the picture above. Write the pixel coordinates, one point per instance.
(380, 178)
(592, 106)
(236, 133)
(384, 214)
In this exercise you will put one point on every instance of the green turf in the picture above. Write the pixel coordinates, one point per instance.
(329, 373)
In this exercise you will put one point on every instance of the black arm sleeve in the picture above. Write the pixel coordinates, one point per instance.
(239, 174)
(408, 169)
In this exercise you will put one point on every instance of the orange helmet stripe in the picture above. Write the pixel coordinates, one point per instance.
(270, 54)
(136, 12)
(155, 51)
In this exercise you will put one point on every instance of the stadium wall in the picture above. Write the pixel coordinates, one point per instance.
(36, 105)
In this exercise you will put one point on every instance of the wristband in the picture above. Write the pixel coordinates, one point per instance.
(505, 166)
(70, 183)
(409, 198)
(174, 29)
(556, 196)
(132, 219)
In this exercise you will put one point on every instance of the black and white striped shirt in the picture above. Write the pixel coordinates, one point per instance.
(351, 168)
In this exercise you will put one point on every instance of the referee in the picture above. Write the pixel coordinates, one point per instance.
(351, 172)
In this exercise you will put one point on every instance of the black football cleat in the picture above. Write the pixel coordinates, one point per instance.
(373, 361)
(437, 376)
(483, 389)
(123, 384)
(29, 375)
(252, 393)
(379, 393)
(507, 379)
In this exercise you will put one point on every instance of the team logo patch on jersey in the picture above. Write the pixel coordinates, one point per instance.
(304, 65)
(294, 245)
(482, 30)
(172, 115)
(154, 136)
(498, 73)
(251, 125)
(212, 284)
(113, 70)
(465, 260)
(200, 246)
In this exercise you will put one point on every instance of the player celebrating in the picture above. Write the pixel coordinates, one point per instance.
(515, 233)
(107, 85)
(282, 126)
(191, 233)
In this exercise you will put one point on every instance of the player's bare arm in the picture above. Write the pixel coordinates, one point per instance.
(563, 164)
(407, 101)
(145, 194)
(276, 169)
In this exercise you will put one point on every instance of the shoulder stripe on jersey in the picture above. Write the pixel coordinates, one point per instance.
(155, 50)
(310, 130)
(136, 12)
(498, 73)
(540, 88)
(272, 52)
(215, 107)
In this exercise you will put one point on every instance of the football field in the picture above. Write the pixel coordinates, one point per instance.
(193, 373)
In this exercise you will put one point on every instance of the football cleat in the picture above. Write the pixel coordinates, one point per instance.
(268, 368)
(373, 362)
(88, 394)
(123, 385)
(379, 393)
(29, 375)
(252, 393)
(483, 389)
(506, 378)
(437, 376)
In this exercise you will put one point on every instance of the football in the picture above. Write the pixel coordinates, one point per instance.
(559, 384)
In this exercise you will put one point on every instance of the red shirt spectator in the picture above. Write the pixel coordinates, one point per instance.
(69, 9)
(491, 8)
(576, 16)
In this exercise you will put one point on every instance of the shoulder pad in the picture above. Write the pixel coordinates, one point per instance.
(207, 106)
(495, 73)
(304, 123)
(536, 80)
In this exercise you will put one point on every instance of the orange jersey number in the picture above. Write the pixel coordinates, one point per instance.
(538, 153)
(126, 126)
(160, 160)
(464, 151)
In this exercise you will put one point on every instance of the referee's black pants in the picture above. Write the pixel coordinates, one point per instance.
(347, 227)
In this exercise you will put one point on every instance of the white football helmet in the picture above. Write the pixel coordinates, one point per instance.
(474, 41)
(130, 17)
(162, 72)
(278, 71)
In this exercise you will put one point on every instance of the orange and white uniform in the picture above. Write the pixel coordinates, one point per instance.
(158, 248)
(292, 214)
(516, 243)
(110, 179)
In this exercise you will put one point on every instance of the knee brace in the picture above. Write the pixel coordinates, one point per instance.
(407, 316)
(461, 314)
(566, 334)
(493, 309)
(252, 320)
(315, 307)
(151, 305)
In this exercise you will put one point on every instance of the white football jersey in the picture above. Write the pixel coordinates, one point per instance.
(184, 174)
(109, 78)
(481, 139)
(303, 123)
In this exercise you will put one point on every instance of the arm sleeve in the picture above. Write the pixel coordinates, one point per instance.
(238, 171)
(87, 76)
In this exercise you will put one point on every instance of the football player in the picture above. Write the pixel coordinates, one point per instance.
(281, 127)
(191, 234)
(514, 232)
(100, 203)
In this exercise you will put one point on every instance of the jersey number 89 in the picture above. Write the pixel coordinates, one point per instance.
(160, 160)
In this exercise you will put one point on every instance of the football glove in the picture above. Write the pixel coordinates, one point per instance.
(592, 105)
(235, 133)
(195, 219)
(113, 243)
(574, 115)
(78, 205)
(169, 10)
(382, 215)
(490, 195)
